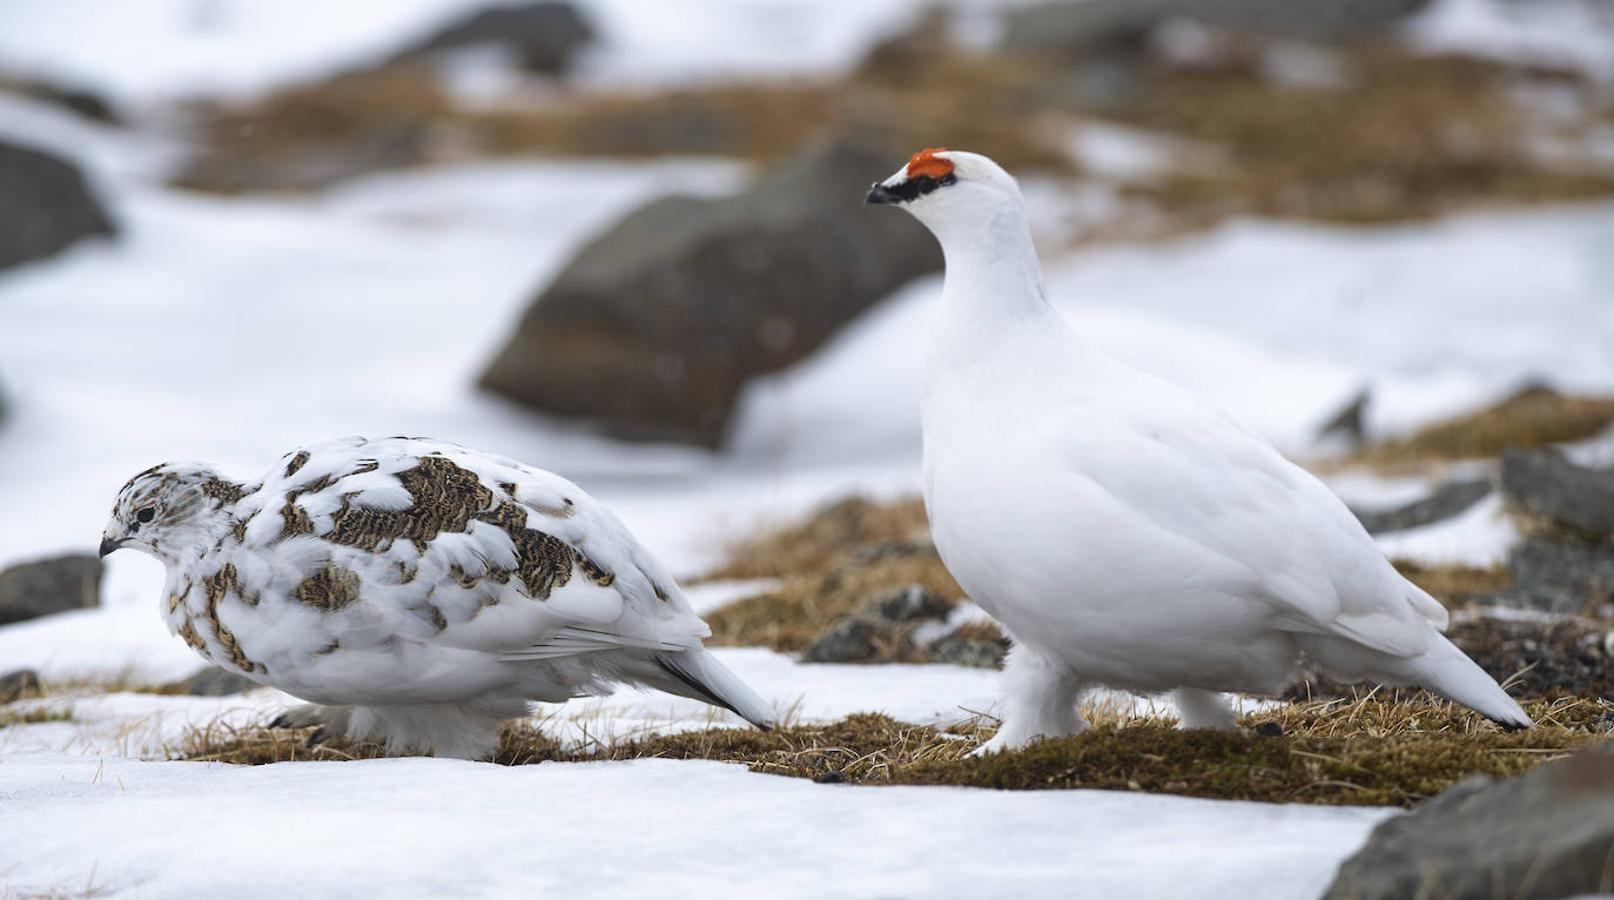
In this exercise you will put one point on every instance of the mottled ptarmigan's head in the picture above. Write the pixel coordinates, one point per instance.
(940, 186)
(169, 509)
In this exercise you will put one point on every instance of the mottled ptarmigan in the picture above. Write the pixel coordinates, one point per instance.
(1124, 533)
(419, 593)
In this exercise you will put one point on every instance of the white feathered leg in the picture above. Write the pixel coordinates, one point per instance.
(1039, 701)
(1203, 709)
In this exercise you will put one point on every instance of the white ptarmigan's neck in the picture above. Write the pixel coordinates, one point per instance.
(993, 284)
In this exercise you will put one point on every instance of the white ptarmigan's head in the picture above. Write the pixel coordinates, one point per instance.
(941, 187)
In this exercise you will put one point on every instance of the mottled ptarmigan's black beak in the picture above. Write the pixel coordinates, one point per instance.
(879, 194)
(108, 545)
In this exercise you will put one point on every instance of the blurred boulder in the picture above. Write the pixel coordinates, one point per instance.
(1074, 27)
(19, 685)
(543, 36)
(654, 327)
(849, 639)
(960, 649)
(1545, 485)
(212, 681)
(46, 204)
(1450, 499)
(1350, 423)
(1564, 576)
(1548, 833)
(74, 98)
(62, 583)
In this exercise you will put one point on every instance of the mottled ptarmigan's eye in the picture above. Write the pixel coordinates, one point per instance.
(147, 514)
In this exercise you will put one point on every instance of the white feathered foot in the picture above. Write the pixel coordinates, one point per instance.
(1040, 697)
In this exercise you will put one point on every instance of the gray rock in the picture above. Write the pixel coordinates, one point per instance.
(1450, 499)
(963, 651)
(906, 604)
(45, 206)
(544, 36)
(1559, 576)
(1067, 27)
(848, 639)
(212, 681)
(1544, 484)
(1548, 833)
(18, 685)
(653, 329)
(1350, 422)
(63, 583)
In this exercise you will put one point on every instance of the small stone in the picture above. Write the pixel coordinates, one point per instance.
(848, 639)
(1269, 729)
(829, 778)
(907, 604)
(973, 652)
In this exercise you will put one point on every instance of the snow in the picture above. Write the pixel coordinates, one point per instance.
(426, 827)
(143, 54)
(1574, 34)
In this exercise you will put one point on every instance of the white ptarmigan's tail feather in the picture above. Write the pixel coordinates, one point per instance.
(1445, 670)
(1455, 676)
(698, 674)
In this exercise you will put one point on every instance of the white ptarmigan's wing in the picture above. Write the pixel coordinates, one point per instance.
(1244, 514)
(455, 547)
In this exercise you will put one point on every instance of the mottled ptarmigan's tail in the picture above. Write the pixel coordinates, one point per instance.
(698, 674)
(1445, 670)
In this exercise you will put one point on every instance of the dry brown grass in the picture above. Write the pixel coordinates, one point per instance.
(1410, 137)
(1532, 417)
(790, 617)
(1360, 751)
(1455, 585)
(825, 538)
(34, 715)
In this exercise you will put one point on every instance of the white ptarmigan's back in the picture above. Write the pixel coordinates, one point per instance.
(1123, 532)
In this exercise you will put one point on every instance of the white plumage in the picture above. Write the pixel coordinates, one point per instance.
(418, 592)
(1124, 533)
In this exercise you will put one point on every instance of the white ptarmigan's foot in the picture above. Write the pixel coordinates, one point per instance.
(1203, 709)
(1039, 699)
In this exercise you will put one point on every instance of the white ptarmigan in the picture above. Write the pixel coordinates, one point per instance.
(1124, 533)
(419, 593)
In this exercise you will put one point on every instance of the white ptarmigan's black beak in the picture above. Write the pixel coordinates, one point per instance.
(108, 545)
(879, 194)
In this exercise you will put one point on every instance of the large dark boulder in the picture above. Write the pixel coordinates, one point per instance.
(45, 206)
(1549, 833)
(1545, 485)
(1063, 26)
(656, 325)
(63, 583)
(543, 36)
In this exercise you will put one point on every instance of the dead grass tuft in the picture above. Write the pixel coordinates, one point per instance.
(34, 715)
(1533, 417)
(828, 537)
(790, 617)
(1367, 750)
(1454, 585)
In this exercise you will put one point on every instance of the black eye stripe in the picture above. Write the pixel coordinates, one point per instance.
(914, 188)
